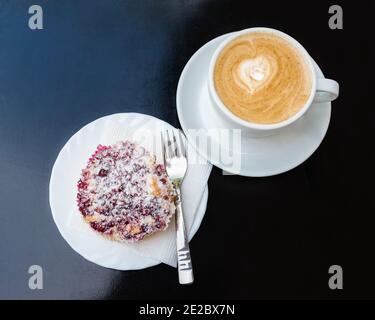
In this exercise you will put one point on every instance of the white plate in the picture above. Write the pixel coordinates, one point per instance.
(259, 156)
(62, 190)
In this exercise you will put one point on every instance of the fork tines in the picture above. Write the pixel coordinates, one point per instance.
(172, 144)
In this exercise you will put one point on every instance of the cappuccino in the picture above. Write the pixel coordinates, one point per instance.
(262, 78)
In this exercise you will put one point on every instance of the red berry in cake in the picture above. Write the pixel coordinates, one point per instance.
(103, 173)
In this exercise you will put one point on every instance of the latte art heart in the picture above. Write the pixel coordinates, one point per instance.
(253, 73)
(262, 78)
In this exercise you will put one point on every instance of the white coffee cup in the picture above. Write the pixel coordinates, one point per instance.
(323, 90)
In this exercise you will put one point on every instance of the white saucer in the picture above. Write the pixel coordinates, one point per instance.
(260, 157)
(62, 191)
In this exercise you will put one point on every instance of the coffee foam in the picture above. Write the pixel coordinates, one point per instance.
(262, 78)
(252, 73)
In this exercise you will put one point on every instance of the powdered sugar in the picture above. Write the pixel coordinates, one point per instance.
(124, 194)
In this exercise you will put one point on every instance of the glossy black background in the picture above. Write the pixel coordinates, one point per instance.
(261, 238)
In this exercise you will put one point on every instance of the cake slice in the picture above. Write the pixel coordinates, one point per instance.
(124, 194)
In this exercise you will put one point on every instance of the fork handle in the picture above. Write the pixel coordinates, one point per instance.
(185, 267)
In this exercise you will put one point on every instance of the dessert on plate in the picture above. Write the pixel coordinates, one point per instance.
(124, 194)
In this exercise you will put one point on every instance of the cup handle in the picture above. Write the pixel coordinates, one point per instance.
(327, 90)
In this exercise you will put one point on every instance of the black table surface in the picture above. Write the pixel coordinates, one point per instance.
(270, 237)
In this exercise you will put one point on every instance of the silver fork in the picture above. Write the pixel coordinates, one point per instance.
(175, 162)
